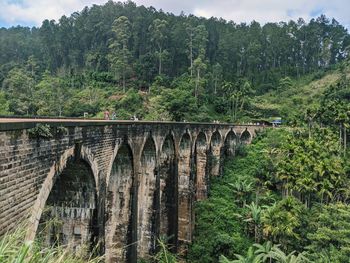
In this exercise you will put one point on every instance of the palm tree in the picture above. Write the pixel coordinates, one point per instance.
(310, 115)
(281, 257)
(343, 120)
(224, 259)
(254, 216)
(264, 252)
(281, 220)
(242, 188)
(249, 258)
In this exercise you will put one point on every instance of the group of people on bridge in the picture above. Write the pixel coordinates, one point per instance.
(108, 116)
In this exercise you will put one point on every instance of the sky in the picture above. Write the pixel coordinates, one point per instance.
(33, 12)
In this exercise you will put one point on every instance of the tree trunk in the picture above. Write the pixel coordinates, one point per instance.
(197, 84)
(236, 108)
(309, 129)
(340, 136)
(191, 55)
(344, 140)
(160, 62)
(255, 233)
(215, 85)
(232, 110)
(124, 80)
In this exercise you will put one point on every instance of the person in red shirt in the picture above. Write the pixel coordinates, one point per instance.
(106, 114)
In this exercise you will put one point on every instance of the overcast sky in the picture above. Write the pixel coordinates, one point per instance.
(33, 12)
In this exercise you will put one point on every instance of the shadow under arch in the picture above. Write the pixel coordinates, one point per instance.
(119, 209)
(230, 143)
(201, 166)
(147, 196)
(246, 137)
(215, 154)
(70, 211)
(75, 153)
(168, 192)
(185, 192)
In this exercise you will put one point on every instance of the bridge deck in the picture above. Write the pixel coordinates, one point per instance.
(27, 123)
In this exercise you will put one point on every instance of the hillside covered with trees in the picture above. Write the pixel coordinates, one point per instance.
(138, 60)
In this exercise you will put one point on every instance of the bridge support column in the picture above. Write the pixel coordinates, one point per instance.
(185, 193)
(201, 163)
(147, 196)
(119, 208)
(215, 154)
(167, 216)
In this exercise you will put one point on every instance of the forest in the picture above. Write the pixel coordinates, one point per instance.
(155, 65)
(284, 198)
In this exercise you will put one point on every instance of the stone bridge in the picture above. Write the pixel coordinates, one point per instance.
(116, 185)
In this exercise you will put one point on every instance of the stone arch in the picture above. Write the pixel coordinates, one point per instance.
(147, 196)
(168, 190)
(88, 156)
(246, 137)
(215, 154)
(201, 166)
(185, 191)
(230, 144)
(72, 202)
(185, 144)
(56, 169)
(215, 139)
(126, 141)
(119, 206)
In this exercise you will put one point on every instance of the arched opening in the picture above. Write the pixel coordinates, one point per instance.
(147, 201)
(119, 207)
(70, 214)
(168, 191)
(246, 137)
(215, 152)
(230, 144)
(185, 191)
(201, 166)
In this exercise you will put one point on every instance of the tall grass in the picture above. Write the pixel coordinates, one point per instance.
(14, 249)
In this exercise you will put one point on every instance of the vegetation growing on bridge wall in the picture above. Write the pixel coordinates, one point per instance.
(45, 131)
(41, 131)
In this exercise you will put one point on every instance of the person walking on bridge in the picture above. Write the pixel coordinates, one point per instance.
(106, 114)
(114, 115)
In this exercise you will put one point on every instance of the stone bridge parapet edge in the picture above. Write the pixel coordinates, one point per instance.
(21, 124)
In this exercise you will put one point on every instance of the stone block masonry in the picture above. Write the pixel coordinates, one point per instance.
(119, 184)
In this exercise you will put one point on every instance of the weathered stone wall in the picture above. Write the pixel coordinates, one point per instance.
(201, 154)
(146, 177)
(73, 203)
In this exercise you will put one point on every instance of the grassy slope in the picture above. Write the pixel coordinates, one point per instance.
(304, 93)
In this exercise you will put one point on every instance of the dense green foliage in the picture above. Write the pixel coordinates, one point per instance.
(88, 61)
(285, 198)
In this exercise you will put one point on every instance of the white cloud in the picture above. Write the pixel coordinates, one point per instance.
(260, 10)
(274, 10)
(35, 11)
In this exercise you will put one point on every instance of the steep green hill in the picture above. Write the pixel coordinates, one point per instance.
(137, 60)
(291, 101)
